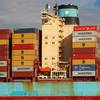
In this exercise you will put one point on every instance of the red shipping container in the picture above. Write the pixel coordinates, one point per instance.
(23, 46)
(22, 74)
(4, 50)
(84, 50)
(4, 53)
(4, 36)
(3, 68)
(4, 58)
(5, 31)
(85, 28)
(84, 56)
(3, 47)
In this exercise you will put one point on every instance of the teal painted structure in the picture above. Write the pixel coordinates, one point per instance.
(50, 89)
(68, 12)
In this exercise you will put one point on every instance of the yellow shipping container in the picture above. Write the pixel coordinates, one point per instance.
(23, 57)
(4, 42)
(22, 63)
(20, 52)
(23, 41)
(84, 44)
(26, 35)
(83, 61)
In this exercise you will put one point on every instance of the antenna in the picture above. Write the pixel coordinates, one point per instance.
(47, 7)
(55, 7)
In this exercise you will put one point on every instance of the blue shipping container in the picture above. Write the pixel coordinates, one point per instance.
(83, 67)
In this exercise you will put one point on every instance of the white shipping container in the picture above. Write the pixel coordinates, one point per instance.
(83, 73)
(84, 33)
(3, 74)
(3, 63)
(84, 39)
(22, 68)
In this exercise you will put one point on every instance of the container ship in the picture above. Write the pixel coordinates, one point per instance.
(5, 36)
(62, 51)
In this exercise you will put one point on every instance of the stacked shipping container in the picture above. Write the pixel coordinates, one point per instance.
(4, 54)
(84, 56)
(98, 55)
(24, 52)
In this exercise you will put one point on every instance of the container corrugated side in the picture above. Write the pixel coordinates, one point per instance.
(22, 68)
(4, 42)
(4, 53)
(5, 31)
(24, 57)
(84, 50)
(85, 28)
(84, 67)
(4, 47)
(4, 50)
(4, 36)
(2, 58)
(83, 61)
(21, 52)
(84, 39)
(84, 44)
(23, 41)
(84, 56)
(3, 74)
(83, 73)
(28, 35)
(84, 34)
(22, 74)
(3, 69)
(22, 63)
(3, 63)
(23, 46)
